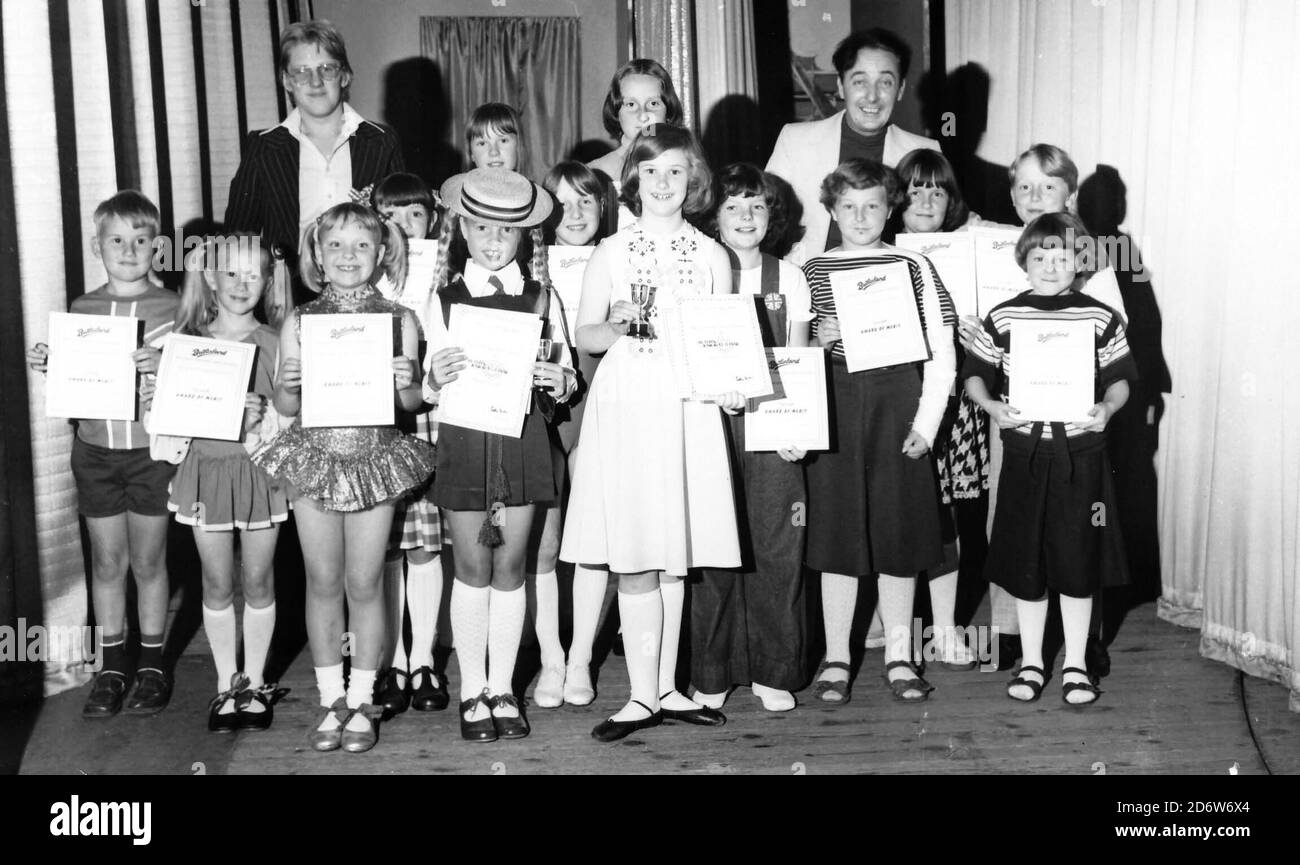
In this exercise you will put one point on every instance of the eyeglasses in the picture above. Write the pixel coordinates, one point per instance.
(328, 72)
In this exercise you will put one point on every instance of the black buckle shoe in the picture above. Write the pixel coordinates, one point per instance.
(428, 692)
(610, 730)
(105, 699)
(152, 693)
(483, 730)
(509, 727)
(701, 716)
(394, 694)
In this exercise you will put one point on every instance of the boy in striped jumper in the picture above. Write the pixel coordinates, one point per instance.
(121, 490)
(1055, 526)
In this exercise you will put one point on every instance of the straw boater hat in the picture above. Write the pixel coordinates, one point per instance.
(497, 196)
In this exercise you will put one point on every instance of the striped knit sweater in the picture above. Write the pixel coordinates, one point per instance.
(989, 358)
(934, 305)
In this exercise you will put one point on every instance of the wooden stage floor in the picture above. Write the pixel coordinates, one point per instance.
(1166, 710)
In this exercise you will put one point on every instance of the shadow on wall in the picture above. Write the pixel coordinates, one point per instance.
(732, 132)
(417, 110)
(955, 108)
(1133, 434)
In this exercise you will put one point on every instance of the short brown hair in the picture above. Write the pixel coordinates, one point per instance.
(652, 143)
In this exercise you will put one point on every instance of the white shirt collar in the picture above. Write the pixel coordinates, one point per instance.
(351, 120)
(476, 279)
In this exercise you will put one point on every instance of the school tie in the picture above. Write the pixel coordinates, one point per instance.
(496, 283)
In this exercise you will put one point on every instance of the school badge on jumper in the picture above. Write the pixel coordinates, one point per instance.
(774, 301)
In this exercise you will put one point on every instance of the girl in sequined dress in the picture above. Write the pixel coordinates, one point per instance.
(345, 480)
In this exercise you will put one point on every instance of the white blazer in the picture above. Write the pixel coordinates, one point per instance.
(806, 152)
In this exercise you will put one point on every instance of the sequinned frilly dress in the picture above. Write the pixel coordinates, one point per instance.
(348, 468)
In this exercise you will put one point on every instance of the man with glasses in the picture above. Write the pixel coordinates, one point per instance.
(324, 152)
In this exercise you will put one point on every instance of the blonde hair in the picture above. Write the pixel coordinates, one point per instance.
(198, 307)
(392, 265)
(453, 252)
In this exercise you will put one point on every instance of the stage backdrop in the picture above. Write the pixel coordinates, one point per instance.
(101, 95)
(1194, 105)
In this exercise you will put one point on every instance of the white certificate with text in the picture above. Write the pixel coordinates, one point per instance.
(202, 387)
(567, 265)
(879, 322)
(421, 259)
(953, 255)
(1053, 370)
(717, 346)
(347, 370)
(91, 374)
(796, 415)
(492, 392)
(998, 277)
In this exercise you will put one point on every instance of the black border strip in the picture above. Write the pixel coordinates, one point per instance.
(241, 97)
(162, 141)
(65, 136)
(121, 94)
(201, 104)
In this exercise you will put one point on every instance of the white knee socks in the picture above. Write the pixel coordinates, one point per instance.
(469, 622)
(643, 624)
(589, 586)
(423, 599)
(546, 618)
(839, 598)
(506, 614)
(219, 625)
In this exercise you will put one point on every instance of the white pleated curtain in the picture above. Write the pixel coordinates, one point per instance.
(39, 197)
(1195, 104)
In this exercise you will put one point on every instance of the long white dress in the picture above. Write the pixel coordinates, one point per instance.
(652, 485)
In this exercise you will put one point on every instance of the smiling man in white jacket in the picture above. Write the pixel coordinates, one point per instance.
(872, 66)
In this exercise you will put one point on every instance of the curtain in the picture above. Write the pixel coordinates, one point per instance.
(727, 82)
(100, 96)
(530, 64)
(1188, 104)
(665, 31)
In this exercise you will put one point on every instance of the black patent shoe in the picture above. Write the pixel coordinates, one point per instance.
(229, 722)
(394, 693)
(508, 727)
(266, 697)
(610, 730)
(701, 716)
(152, 693)
(1008, 651)
(428, 692)
(105, 699)
(1097, 659)
(483, 730)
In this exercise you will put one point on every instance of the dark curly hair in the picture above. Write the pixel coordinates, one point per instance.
(744, 179)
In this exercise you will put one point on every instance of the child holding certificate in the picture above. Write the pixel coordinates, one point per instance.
(236, 290)
(121, 489)
(747, 626)
(488, 484)
(872, 503)
(934, 204)
(406, 201)
(345, 480)
(1056, 524)
(577, 221)
(652, 493)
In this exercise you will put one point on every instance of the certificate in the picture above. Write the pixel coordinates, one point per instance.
(347, 370)
(879, 322)
(953, 255)
(717, 347)
(202, 387)
(492, 392)
(91, 374)
(1053, 370)
(567, 266)
(998, 277)
(797, 417)
(421, 259)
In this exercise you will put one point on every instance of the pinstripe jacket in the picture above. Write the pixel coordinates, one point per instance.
(264, 191)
